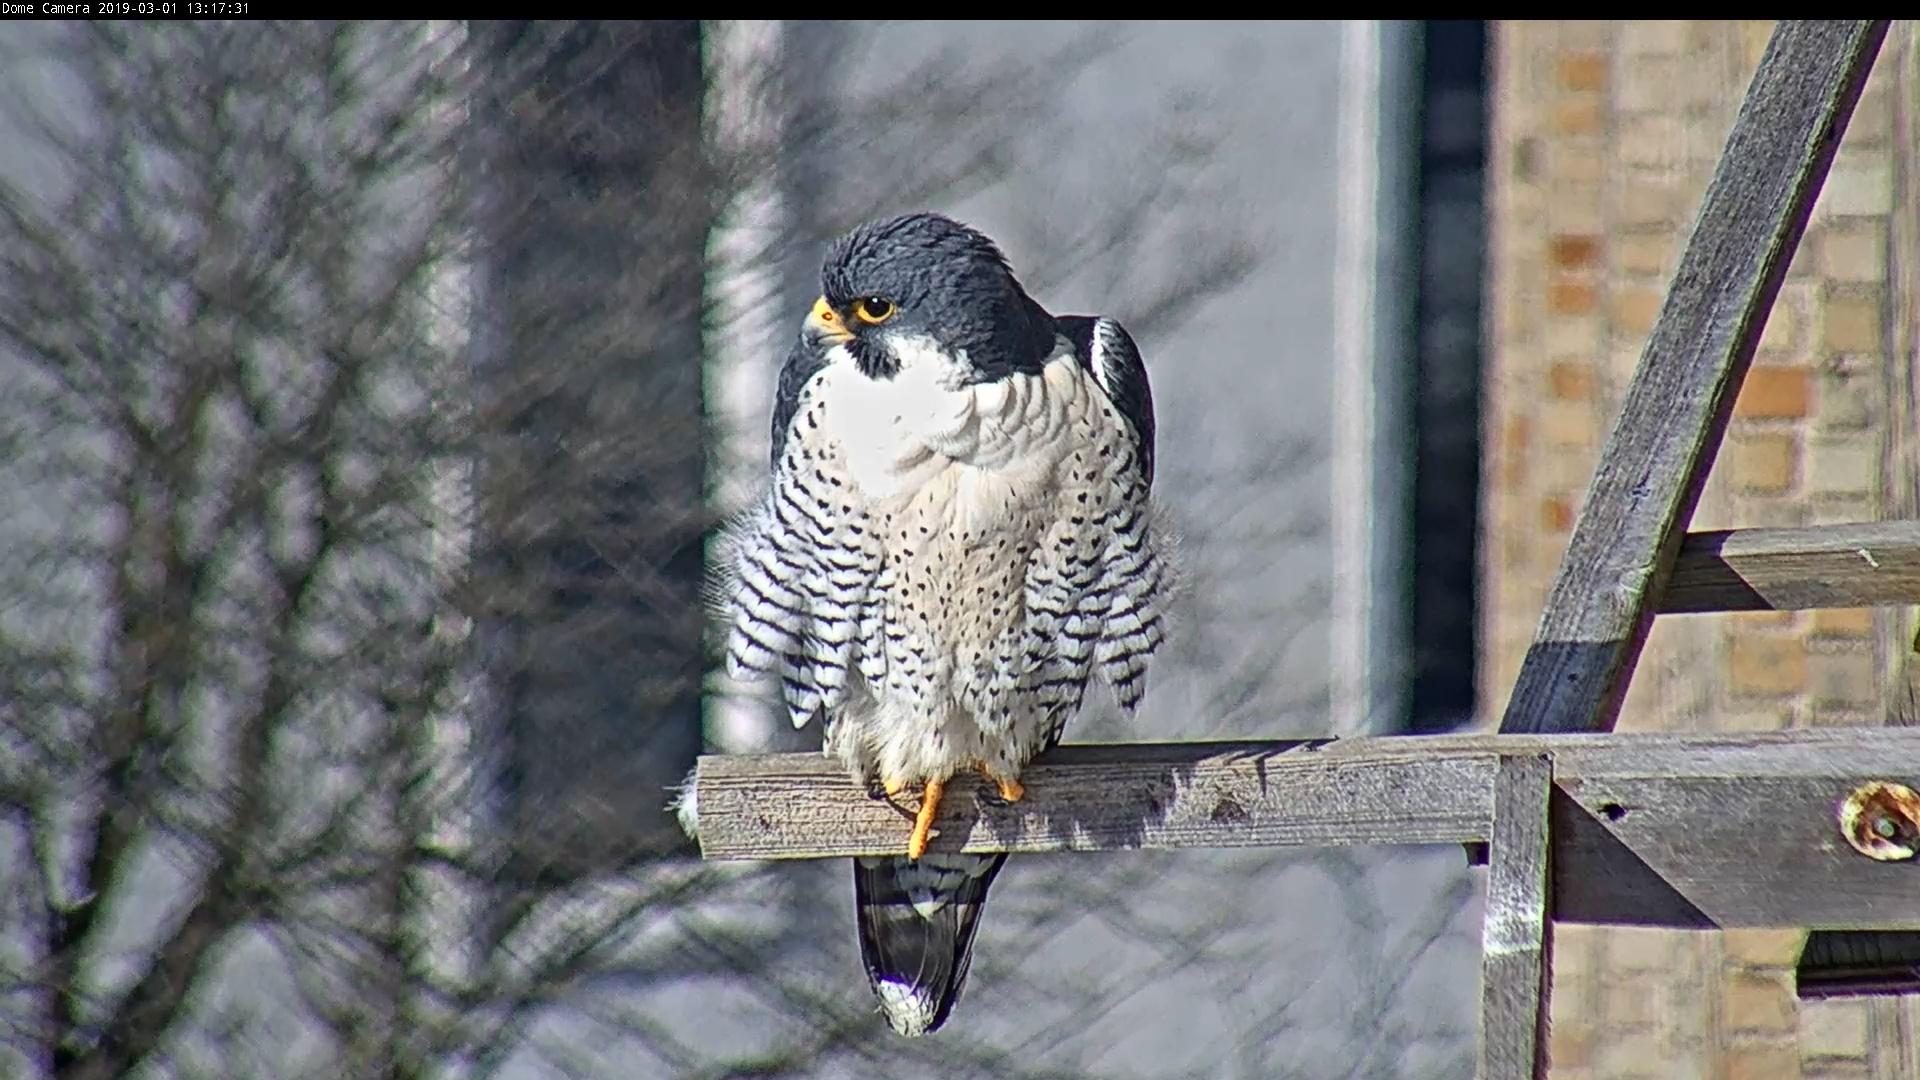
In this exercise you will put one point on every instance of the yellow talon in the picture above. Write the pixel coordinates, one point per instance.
(1011, 790)
(923, 821)
(893, 787)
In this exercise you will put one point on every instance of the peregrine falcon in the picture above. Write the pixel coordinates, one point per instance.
(956, 538)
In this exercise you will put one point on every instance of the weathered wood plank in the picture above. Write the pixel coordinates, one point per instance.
(1676, 408)
(1720, 829)
(1747, 850)
(1517, 932)
(1865, 565)
(1091, 798)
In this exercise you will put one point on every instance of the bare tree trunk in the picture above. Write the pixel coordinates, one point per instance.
(593, 483)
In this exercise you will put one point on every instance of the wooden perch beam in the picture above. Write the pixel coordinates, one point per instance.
(1827, 566)
(1658, 830)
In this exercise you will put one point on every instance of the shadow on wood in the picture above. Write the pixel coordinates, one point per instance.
(1844, 963)
(1599, 879)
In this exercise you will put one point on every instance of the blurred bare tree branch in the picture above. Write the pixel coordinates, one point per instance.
(353, 463)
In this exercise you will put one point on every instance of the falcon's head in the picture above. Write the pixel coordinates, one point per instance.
(905, 285)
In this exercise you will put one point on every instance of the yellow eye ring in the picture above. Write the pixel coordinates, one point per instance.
(874, 310)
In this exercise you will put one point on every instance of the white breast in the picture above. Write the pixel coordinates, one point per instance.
(973, 493)
(926, 426)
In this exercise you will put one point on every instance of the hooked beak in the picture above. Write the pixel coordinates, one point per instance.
(827, 324)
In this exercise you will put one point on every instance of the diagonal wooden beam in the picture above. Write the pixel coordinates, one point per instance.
(1670, 425)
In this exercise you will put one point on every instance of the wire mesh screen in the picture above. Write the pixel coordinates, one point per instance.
(370, 394)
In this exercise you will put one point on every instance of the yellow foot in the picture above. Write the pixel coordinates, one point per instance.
(893, 787)
(923, 822)
(1011, 790)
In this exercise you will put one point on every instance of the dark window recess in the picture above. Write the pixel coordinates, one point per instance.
(1446, 414)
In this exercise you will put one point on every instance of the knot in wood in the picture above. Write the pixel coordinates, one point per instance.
(1229, 812)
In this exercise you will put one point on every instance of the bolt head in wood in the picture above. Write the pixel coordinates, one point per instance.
(1881, 820)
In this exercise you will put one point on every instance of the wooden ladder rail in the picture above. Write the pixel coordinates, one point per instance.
(1621, 556)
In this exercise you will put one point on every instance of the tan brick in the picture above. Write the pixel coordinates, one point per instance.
(1771, 514)
(1834, 1029)
(1640, 948)
(1796, 302)
(1654, 140)
(1753, 37)
(1654, 37)
(1581, 164)
(1843, 623)
(1556, 513)
(1782, 334)
(1854, 253)
(1847, 716)
(1582, 70)
(1846, 679)
(1763, 948)
(1862, 185)
(1569, 424)
(1580, 33)
(1840, 509)
(1574, 251)
(1647, 85)
(1572, 297)
(1579, 116)
(1759, 1001)
(1634, 1002)
(1643, 253)
(1852, 324)
(1635, 307)
(1872, 121)
(1762, 665)
(1571, 1043)
(1576, 207)
(1763, 1061)
(1625, 360)
(1765, 462)
(1843, 465)
(1569, 470)
(1648, 200)
(1850, 396)
(1835, 1069)
(1630, 1055)
(1570, 380)
(1510, 472)
(1775, 392)
(1774, 719)
(1576, 951)
(1572, 337)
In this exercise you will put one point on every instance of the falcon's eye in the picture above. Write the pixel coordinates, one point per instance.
(873, 310)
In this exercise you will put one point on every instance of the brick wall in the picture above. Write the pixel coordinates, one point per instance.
(1605, 137)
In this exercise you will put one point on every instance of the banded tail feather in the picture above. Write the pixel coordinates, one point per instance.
(916, 921)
